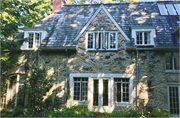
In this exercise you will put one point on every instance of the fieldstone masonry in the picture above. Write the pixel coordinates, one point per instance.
(152, 85)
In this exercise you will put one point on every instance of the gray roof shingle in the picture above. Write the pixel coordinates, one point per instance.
(68, 22)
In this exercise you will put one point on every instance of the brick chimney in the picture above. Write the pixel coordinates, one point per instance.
(57, 4)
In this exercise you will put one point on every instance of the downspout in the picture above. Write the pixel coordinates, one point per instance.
(137, 78)
(66, 75)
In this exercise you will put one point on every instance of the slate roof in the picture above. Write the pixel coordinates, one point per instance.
(65, 25)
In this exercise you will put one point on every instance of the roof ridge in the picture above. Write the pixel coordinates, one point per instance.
(121, 3)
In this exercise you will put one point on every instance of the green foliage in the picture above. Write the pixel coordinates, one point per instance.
(9, 57)
(158, 113)
(37, 85)
(13, 14)
(81, 111)
(22, 12)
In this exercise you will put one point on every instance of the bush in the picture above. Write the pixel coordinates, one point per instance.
(74, 111)
(158, 113)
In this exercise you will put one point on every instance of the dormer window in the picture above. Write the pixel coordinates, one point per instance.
(101, 40)
(143, 36)
(34, 40)
(35, 36)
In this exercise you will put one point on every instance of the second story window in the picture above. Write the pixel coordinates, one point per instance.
(101, 41)
(143, 38)
(34, 40)
(172, 62)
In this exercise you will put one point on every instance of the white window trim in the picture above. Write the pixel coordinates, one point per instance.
(173, 85)
(152, 36)
(173, 70)
(91, 77)
(26, 35)
(107, 48)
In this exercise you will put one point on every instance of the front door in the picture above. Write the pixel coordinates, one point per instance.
(101, 95)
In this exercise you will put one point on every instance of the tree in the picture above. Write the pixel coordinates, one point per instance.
(37, 85)
(16, 13)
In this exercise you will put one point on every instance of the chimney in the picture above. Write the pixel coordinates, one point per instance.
(57, 4)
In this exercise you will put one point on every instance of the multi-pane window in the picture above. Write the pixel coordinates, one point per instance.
(102, 40)
(143, 38)
(174, 99)
(172, 62)
(121, 89)
(34, 40)
(80, 89)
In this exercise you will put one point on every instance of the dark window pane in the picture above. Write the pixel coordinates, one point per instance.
(95, 92)
(105, 92)
(118, 92)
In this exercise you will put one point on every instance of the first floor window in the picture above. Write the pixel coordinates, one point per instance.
(172, 61)
(80, 89)
(121, 89)
(143, 38)
(34, 40)
(174, 99)
(102, 40)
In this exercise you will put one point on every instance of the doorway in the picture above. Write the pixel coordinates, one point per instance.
(101, 95)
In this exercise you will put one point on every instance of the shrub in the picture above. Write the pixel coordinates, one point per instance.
(158, 113)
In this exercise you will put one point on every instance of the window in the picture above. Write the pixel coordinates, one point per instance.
(80, 89)
(174, 98)
(34, 40)
(101, 40)
(121, 89)
(143, 38)
(172, 61)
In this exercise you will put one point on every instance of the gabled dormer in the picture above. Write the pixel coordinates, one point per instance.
(35, 37)
(143, 36)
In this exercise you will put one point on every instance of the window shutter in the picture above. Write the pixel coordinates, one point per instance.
(176, 61)
(168, 55)
(97, 40)
(104, 40)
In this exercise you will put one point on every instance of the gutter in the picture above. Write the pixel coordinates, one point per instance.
(58, 48)
(67, 57)
(137, 77)
(154, 48)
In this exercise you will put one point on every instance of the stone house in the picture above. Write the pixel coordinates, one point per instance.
(112, 56)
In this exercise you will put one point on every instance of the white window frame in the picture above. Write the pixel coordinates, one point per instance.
(110, 77)
(25, 45)
(34, 42)
(80, 87)
(107, 47)
(152, 36)
(173, 85)
(122, 91)
(173, 70)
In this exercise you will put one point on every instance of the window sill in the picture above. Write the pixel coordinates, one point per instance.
(101, 50)
(171, 71)
(77, 102)
(122, 104)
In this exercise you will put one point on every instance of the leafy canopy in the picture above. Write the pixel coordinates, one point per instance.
(16, 13)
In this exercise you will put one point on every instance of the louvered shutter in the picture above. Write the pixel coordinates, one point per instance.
(104, 40)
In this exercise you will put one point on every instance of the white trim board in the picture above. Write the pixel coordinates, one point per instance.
(92, 18)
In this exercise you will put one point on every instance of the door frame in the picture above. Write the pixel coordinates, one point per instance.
(100, 106)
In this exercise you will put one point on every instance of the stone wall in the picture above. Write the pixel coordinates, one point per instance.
(152, 85)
